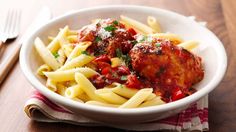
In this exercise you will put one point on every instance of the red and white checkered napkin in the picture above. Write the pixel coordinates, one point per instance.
(39, 108)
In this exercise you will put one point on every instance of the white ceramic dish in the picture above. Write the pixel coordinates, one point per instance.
(212, 53)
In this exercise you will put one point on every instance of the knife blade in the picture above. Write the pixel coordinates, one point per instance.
(43, 16)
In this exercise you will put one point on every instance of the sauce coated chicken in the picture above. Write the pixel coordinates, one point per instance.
(107, 35)
(166, 66)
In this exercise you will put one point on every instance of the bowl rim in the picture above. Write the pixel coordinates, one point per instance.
(135, 111)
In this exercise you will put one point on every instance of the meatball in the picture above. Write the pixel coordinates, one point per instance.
(107, 36)
(167, 65)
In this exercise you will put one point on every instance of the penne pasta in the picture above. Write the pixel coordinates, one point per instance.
(51, 85)
(137, 99)
(72, 32)
(136, 24)
(43, 68)
(77, 62)
(61, 57)
(84, 97)
(110, 97)
(73, 91)
(189, 45)
(153, 102)
(68, 75)
(87, 87)
(55, 44)
(123, 91)
(152, 22)
(72, 38)
(78, 50)
(46, 55)
(61, 89)
(101, 104)
(77, 100)
(67, 48)
(174, 38)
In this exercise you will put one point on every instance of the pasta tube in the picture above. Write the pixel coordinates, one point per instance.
(51, 85)
(73, 91)
(136, 24)
(67, 75)
(174, 38)
(101, 104)
(122, 90)
(137, 99)
(110, 97)
(46, 55)
(87, 87)
(78, 50)
(55, 44)
(189, 45)
(152, 22)
(155, 101)
(77, 62)
(43, 68)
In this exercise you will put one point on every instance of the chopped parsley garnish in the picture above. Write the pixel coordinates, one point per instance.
(84, 52)
(110, 28)
(158, 44)
(116, 22)
(123, 78)
(143, 39)
(119, 53)
(55, 54)
(134, 42)
(125, 58)
(97, 39)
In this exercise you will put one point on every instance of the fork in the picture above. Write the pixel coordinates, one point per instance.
(11, 26)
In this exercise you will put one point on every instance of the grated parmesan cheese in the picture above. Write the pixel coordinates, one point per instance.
(139, 37)
(121, 30)
(92, 27)
(103, 33)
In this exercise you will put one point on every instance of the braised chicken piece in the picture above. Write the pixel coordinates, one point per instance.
(107, 36)
(167, 66)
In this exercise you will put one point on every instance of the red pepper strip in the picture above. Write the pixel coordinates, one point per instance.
(132, 31)
(103, 58)
(102, 65)
(123, 70)
(133, 82)
(106, 70)
(177, 94)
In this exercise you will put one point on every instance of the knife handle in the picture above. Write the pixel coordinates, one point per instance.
(9, 62)
(1, 44)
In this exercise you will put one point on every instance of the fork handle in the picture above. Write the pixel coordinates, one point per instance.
(8, 63)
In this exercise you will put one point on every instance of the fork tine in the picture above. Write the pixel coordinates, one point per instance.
(6, 23)
(9, 21)
(17, 23)
(12, 22)
(11, 27)
(15, 26)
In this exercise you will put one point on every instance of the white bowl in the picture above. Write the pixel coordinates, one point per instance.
(212, 53)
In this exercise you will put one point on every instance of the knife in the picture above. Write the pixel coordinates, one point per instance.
(43, 16)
